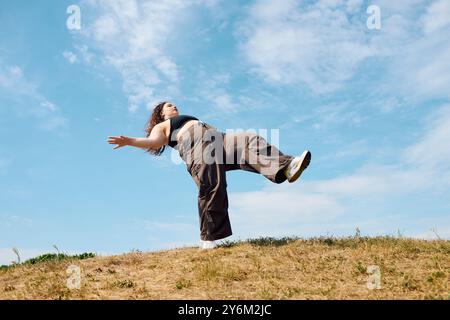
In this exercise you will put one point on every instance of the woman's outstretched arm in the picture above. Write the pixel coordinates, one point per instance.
(156, 140)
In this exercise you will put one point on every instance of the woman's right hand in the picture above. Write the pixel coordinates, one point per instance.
(121, 141)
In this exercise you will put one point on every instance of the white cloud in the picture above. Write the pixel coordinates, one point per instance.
(414, 37)
(48, 105)
(9, 75)
(309, 206)
(421, 69)
(213, 89)
(318, 45)
(437, 16)
(105, 27)
(279, 210)
(83, 51)
(223, 102)
(353, 6)
(31, 102)
(338, 205)
(134, 37)
(70, 56)
(168, 68)
(318, 206)
(432, 152)
(322, 44)
(133, 108)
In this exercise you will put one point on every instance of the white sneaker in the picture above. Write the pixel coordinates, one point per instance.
(297, 166)
(208, 244)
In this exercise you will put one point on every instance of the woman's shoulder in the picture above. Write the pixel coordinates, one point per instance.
(163, 126)
(163, 123)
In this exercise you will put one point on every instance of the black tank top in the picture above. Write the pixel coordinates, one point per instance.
(176, 123)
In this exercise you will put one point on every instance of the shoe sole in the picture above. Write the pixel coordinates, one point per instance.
(305, 163)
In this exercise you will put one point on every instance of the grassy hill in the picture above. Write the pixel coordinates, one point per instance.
(266, 268)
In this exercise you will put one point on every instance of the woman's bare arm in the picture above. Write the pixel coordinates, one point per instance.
(156, 140)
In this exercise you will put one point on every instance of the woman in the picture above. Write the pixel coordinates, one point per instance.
(208, 159)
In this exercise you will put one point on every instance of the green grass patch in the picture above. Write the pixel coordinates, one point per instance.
(47, 257)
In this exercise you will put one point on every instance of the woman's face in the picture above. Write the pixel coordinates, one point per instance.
(169, 110)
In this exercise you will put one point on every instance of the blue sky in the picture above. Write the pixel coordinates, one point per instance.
(371, 104)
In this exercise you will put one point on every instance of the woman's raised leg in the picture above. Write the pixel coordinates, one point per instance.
(250, 152)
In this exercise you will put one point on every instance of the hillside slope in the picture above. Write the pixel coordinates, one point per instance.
(322, 268)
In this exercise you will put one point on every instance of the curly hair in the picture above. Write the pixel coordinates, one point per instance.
(154, 119)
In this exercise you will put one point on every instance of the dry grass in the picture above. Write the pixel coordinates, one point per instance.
(298, 269)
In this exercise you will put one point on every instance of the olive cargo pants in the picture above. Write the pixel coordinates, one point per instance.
(208, 154)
